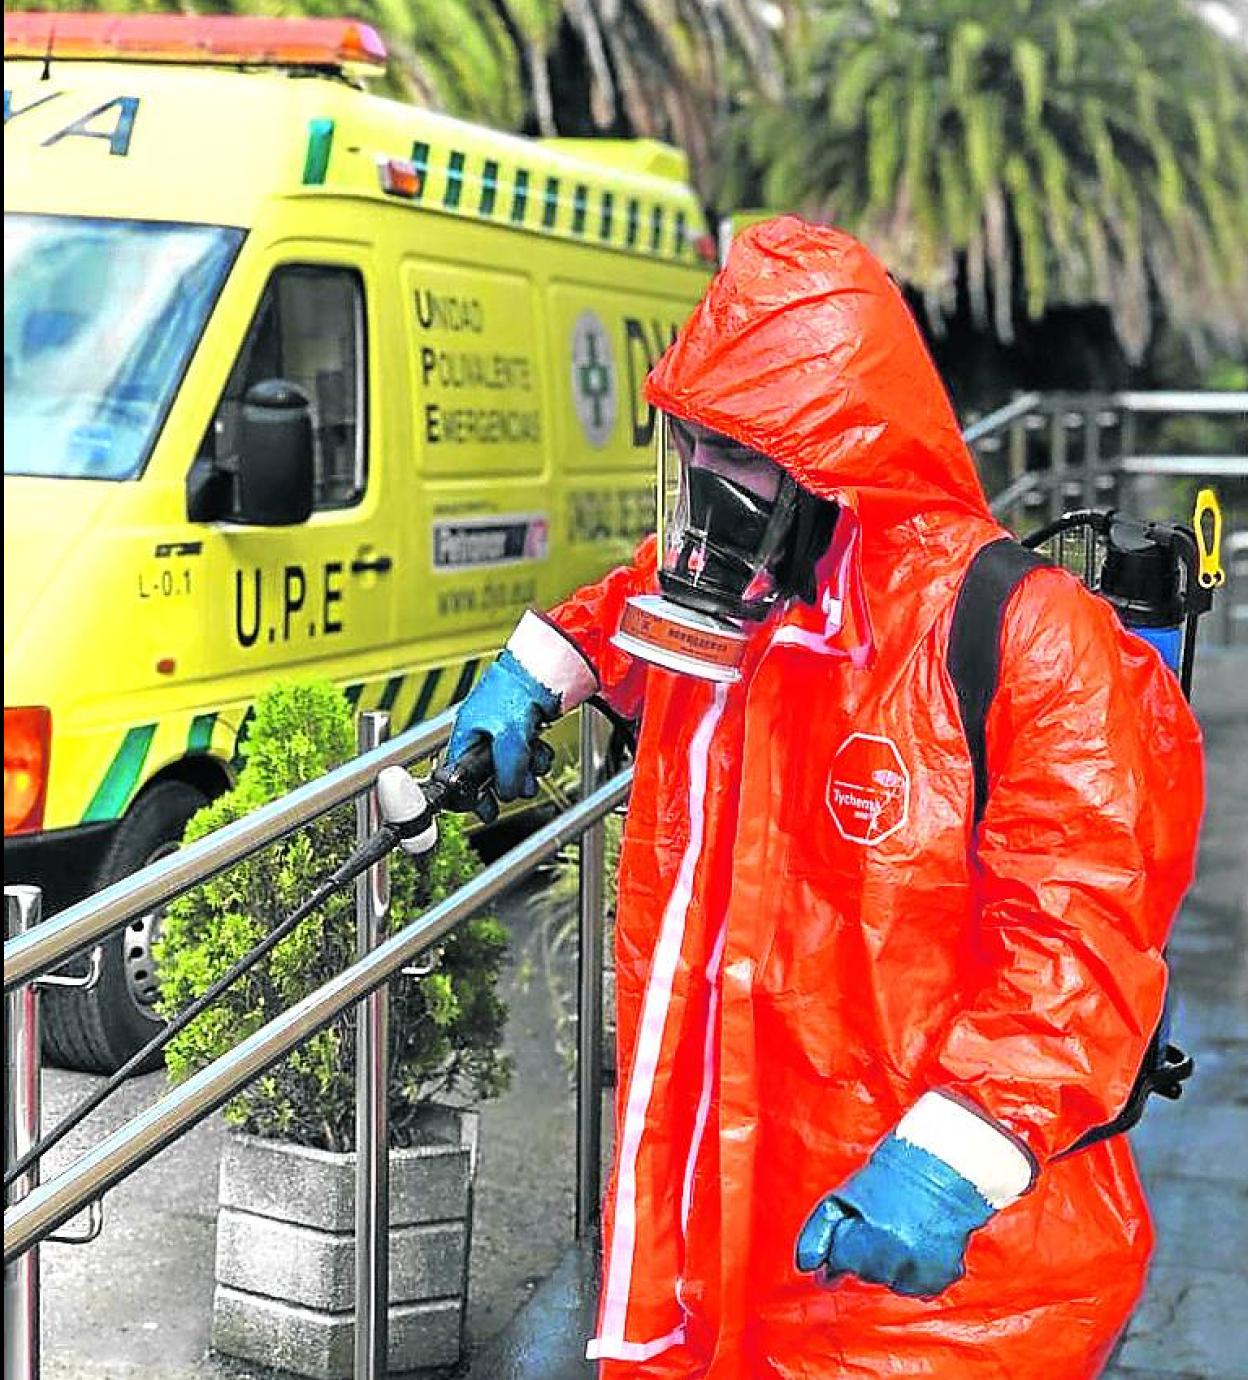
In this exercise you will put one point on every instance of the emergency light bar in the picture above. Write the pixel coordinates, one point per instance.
(210, 40)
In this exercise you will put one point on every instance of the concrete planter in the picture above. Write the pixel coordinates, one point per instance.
(285, 1292)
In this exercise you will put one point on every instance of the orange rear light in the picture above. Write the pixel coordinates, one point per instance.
(246, 40)
(27, 748)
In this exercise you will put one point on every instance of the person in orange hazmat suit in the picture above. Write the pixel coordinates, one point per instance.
(857, 1032)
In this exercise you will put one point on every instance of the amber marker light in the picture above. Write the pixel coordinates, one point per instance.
(399, 177)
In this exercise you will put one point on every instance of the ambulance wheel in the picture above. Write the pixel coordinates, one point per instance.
(99, 1029)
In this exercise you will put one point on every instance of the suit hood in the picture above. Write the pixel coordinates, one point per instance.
(804, 349)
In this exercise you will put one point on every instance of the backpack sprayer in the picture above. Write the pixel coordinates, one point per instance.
(1159, 577)
(409, 811)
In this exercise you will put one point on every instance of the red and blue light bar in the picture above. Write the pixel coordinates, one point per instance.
(208, 40)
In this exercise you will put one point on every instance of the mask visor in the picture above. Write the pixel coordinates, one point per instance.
(726, 515)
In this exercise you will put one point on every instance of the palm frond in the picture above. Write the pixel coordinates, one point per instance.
(1083, 150)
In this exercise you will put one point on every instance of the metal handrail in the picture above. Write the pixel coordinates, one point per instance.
(88, 921)
(1208, 402)
(1216, 466)
(118, 1155)
(23, 1100)
(1203, 401)
(1198, 402)
(1094, 471)
(1025, 484)
(1001, 418)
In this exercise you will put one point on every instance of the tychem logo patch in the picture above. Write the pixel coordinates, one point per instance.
(868, 789)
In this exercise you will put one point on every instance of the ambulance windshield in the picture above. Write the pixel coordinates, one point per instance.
(100, 319)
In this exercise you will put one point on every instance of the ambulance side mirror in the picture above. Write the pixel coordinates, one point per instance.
(273, 482)
(265, 477)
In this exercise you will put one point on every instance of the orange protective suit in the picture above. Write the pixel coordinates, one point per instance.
(808, 936)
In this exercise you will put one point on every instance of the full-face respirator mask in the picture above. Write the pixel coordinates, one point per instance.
(737, 537)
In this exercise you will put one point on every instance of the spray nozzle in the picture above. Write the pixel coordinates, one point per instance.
(1142, 573)
(407, 822)
(405, 809)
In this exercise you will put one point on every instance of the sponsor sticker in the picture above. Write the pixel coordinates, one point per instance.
(503, 539)
(868, 791)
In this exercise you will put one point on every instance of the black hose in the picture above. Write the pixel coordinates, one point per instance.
(453, 787)
(623, 731)
(175, 1027)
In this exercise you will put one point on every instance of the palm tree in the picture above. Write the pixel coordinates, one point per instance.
(667, 68)
(650, 68)
(471, 58)
(1026, 152)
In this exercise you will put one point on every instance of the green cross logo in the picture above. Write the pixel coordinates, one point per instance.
(593, 378)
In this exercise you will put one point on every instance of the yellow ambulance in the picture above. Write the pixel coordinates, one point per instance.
(297, 380)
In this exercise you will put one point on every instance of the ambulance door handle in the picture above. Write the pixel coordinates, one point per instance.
(377, 565)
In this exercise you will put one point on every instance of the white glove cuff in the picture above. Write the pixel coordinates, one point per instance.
(552, 658)
(970, 1145)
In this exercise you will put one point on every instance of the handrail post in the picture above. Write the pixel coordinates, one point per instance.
(1128, 441)
(589, 998)
(1091, 453)
(22, 1079)
(1058, 456)
(372, 1100)
(1018, 456)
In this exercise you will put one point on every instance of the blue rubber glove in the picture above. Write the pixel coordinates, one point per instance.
(903, 1220)
(507, 705)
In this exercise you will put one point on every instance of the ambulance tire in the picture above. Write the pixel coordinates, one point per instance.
(99, 1029)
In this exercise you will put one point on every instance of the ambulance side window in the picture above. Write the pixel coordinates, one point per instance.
(308, 330)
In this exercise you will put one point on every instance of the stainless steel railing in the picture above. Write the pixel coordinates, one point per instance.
(46, 1206)
(1045, 450)
(22, 1086)
(83, 925)
(372, 1095)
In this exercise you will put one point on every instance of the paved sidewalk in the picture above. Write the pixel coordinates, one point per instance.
(1193, 1322)
(137, 1302)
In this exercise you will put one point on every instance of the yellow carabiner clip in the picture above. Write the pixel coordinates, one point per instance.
(1209, 543)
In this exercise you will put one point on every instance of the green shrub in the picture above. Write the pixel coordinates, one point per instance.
(445, 1028)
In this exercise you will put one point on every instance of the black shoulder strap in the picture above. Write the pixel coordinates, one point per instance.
(974, 642)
